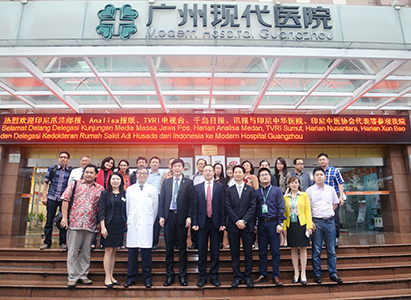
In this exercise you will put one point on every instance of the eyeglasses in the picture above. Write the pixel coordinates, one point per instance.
(144, 174)
(300, 164)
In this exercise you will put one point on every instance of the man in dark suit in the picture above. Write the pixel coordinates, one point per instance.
(208, 220)
(240, 207)
(176, 202)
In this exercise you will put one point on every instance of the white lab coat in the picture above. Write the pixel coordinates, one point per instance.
(141, 209)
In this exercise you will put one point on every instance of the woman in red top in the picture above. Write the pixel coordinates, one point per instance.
(106, 168)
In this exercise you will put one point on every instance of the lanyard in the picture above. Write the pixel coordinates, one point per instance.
(265, 197)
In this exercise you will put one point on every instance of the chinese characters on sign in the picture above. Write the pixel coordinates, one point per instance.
(218, 21)
(203, 129)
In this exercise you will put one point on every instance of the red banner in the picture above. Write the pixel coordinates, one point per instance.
(203, 129)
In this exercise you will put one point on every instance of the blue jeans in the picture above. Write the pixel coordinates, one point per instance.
(325, 230)
(267, 234)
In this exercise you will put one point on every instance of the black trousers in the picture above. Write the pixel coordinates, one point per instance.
(48, 228)
(132, 265)
(156, 231)
(203, 235)
(337, 221)
(194, 237)
(234, 240)
(173, 231)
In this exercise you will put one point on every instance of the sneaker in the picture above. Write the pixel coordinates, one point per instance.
(45, 246)
(71, 283)
(85, 281)
(63, 246)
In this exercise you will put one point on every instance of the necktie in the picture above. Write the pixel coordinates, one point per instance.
(174, 200)
(141, 187)
(239, 191)
(209, 207)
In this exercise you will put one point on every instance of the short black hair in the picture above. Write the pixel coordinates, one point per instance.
(295, 160)
(318, 169)
(176, 161)
(322, 154)
(208, 165)
(65, 152)
(238, 166)
(91, 166)
(263, 170)
(155, 157)
(141, 158)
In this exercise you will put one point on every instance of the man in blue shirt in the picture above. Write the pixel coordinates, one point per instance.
(270, 215)
(333, 178)
(55, 181)
(154, 178)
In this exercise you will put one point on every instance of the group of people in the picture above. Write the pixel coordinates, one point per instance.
(111, 201)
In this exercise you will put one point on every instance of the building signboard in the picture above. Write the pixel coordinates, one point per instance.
(212, 129)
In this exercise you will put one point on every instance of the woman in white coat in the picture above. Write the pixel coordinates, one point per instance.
(141, 210)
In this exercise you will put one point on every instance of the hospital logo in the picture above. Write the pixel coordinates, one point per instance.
(116, 21)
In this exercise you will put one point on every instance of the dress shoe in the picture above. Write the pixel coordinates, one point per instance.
(221, 245)
(201, 283)
(85, 281)
(336, 279)
(317, 279)
(109, 285)
(193, 246)
(71, 284)
(148, 284)
(236, 283)
(215, 282)
(154, 248)
(183, 281)
(277, 281)
(249, 282)
(129, 283)
(261, 279)
(116, 282)
(45, 246)
(295, 280)
(169, 281)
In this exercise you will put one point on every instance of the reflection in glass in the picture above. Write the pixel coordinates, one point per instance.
(276, 100)
(60, 64)
(339, 85)
(79, 84)
(390, 86)
(120, 64)
(327, 101)
(11, 100)
(24, 84)
(130, 84)
(8, 64)
(361, 66)
(291, 84)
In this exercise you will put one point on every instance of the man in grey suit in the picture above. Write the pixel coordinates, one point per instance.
(240, 207)
(176, 202)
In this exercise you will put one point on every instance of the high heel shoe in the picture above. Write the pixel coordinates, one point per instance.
(116, 282)
(295, 280)
(304, 281)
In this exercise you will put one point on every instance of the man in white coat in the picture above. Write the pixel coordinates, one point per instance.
(141, 209)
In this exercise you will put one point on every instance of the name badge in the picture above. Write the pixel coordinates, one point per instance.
(264, 208)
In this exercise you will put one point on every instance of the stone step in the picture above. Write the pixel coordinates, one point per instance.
(57, 289)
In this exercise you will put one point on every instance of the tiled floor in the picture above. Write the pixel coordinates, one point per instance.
(34, 239)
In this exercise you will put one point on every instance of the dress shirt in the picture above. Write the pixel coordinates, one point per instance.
(242, 188)
(206, 186)
(174, 183)
(333, 178)
(198, 178)
(76, 174)
(322, 200)
(305, 180)
(275, 203)
(83, 213)
(58, 183)
(155, 179)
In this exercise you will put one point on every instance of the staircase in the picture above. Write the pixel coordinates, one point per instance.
(369, 272)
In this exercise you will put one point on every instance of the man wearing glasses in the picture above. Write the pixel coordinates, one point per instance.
(55, 182)
(305, 180)
(141, 211)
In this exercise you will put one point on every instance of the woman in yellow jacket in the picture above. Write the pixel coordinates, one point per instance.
(298, 225)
